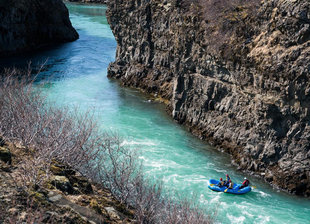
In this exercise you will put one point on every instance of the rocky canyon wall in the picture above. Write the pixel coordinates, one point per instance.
(246, 90)
(27, 25)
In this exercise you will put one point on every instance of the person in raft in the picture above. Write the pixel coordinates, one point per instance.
(245, 183)
(221, 183)
(230, 185)
(226, 182)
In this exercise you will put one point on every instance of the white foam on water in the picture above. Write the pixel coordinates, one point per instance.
(203, 200)
(160, 163)
(132, 142)
(171, 178)
(263, 219)
(157, 164)
(242, 206)
(195, 178)
(235, 219)
(246, 213)
(218, 170)
(263, 194)
(215, 199)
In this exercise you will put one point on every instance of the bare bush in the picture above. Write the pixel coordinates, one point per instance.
(50, 133)
(118, 167)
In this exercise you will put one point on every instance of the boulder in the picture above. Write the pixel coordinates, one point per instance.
(81, 184)
(61, 169)
(62, 183)
(5, 155)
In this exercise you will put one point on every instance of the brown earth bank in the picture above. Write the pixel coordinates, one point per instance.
(27, 25)
(64, 197)
(236, 74)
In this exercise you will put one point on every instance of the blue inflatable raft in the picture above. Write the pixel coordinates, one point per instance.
(213, 185)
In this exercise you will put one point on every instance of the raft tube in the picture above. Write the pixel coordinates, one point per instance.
(213, 185)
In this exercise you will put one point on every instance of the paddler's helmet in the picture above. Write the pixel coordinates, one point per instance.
(229, 181)
(221, 179)
(245, 178)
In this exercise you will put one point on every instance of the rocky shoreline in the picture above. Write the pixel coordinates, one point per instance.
(247, 90)
(28, 25)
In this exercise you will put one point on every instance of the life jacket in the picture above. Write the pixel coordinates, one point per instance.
(231, 185)
(246, 183)
(227, 178)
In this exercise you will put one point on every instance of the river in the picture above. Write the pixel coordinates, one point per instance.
(75, 75)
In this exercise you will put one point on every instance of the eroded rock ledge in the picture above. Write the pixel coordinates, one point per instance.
(253, 101)
(27, 25)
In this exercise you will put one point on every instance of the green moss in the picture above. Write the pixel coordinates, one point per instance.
(237, 15)
(95, 205)
(49, 185)
(38, 197)
(56, 169)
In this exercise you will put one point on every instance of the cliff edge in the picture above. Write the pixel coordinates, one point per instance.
(237, 76)
(27, 25)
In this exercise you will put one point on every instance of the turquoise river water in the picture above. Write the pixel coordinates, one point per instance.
(76, 74)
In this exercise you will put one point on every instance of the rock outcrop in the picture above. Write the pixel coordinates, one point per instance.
(65, 197)
(246, 90)
(27, 25)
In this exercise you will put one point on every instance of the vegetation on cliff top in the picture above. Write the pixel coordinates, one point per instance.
(229, 24)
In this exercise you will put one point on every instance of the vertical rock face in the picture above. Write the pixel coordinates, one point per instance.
(26, 25)
(253, 101)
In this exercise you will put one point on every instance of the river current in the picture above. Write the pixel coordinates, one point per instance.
(75, 75)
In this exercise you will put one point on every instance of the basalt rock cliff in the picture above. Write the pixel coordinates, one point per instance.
(236, 77)
(27, 25)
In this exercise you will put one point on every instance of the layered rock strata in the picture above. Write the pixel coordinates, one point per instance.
(27, 25)
(251, 99)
